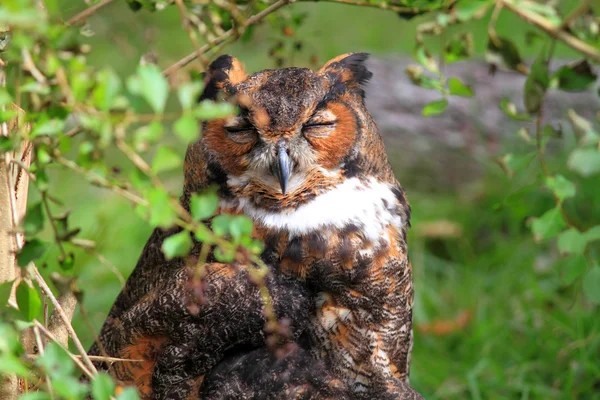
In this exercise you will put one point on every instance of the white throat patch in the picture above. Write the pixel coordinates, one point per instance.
(371, 206)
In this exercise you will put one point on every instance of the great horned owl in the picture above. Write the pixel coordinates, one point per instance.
(304, 160)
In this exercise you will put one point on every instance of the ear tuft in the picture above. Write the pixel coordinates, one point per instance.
(222, 75)
(354, 63)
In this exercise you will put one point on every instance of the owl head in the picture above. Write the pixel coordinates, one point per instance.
(298, 133)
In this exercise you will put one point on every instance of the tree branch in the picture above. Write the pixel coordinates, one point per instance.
(224, 37)
(88, 12)
(554, 31)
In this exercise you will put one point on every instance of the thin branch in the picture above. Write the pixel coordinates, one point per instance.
(382, 6)
(579, 10)
(554, 31)
(88, 12)
(72, 356)
(185, 20)
(227, 35)
(58, 308)
(99, 180)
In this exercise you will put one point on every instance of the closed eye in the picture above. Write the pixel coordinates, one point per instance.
(319, 124)
(320, 129)
(241, 134)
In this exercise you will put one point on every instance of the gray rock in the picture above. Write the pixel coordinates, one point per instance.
(445, 151)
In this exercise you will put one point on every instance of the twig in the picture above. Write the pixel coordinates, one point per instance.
(102, 181)
(72, 356)
(220, 39)
(58, 308)
(382, 6)
(88, 12)
(188, 28)
(40, 346)
(557, 33)
(579, 10)
(57, 239)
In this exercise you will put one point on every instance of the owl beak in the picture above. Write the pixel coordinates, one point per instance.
(283, 168)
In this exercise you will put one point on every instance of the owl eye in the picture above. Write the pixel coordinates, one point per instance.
(318, 129)
(241, 134)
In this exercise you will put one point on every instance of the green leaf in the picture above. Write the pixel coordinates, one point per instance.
(32, 250)
(205, 205)
(107, 89)
(513, 163)
(576, 76)
(129, 393)
(146, 135)
(29, 302)
(5, 98)
(10, 364)
(5, 290)
(459, 48)
(586, 162)
(548, 225)
(469, 9)
(571, 241)
(165, 159)
(458, 88)
(161, 212)
(503, 52)
(592, 234)
(34, 219)
(240, 226)
(187, 128)
(572, 268)
(511, 111)
(188, 94)
(423, 57)
(35, 396)
(536, 84)
(220, 224)
(49, 127)
(591, 285)
(435, 107)
(208, 109)
(561, 186)
(102, 386)
(177, 245)
(151, 85)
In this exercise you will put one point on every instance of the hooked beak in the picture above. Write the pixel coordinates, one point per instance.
(282, 168)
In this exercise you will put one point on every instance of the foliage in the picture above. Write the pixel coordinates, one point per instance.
(81, 116)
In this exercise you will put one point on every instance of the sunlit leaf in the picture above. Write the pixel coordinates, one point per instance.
(187, 128)
(161, 212)
(240, 226)
(561, 186)
(458, 88)
(102, 386)
(585, 162)
(165, 159)
(435, 107)
(189, 93)
(177, 245)
(548, 225)
(571, 241)
(204, 205)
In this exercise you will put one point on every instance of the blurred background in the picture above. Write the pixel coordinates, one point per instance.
(496, 315)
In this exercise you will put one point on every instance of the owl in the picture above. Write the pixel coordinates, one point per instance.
(304, 160)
